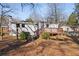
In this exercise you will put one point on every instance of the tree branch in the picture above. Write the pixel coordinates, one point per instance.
(7, 11)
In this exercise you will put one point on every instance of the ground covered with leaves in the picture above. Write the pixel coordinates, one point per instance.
(51, 47)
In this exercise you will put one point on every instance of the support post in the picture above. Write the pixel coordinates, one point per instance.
(17, 32)
(17, 25)
(38, 29)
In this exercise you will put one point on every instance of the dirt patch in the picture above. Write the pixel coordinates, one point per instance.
(46, 48)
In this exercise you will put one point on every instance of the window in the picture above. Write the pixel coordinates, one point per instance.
(17, 25)
(23, 25)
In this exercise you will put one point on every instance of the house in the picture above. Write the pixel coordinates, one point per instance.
(4, 25)
(53, 25)
(53, 29)
(33, 27)
(56, 31)
(67, 28)
(25, 26)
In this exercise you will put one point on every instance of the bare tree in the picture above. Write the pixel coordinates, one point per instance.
(3, 14)
(57, 13)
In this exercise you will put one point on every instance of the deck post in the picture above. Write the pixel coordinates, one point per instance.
(38, 29)
(17, 25)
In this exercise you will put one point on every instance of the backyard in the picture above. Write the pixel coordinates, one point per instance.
(38, 29)
(61, 45)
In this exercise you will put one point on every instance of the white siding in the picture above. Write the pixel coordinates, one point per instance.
(53, 26)
(67, 28)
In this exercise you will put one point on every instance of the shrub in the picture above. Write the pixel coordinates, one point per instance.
(24, 35)
(45, 35)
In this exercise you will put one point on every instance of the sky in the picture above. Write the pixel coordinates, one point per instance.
(68, 8)
(41, 10)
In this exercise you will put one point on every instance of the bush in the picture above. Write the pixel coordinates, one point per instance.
(24, 35)
(45, 35)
